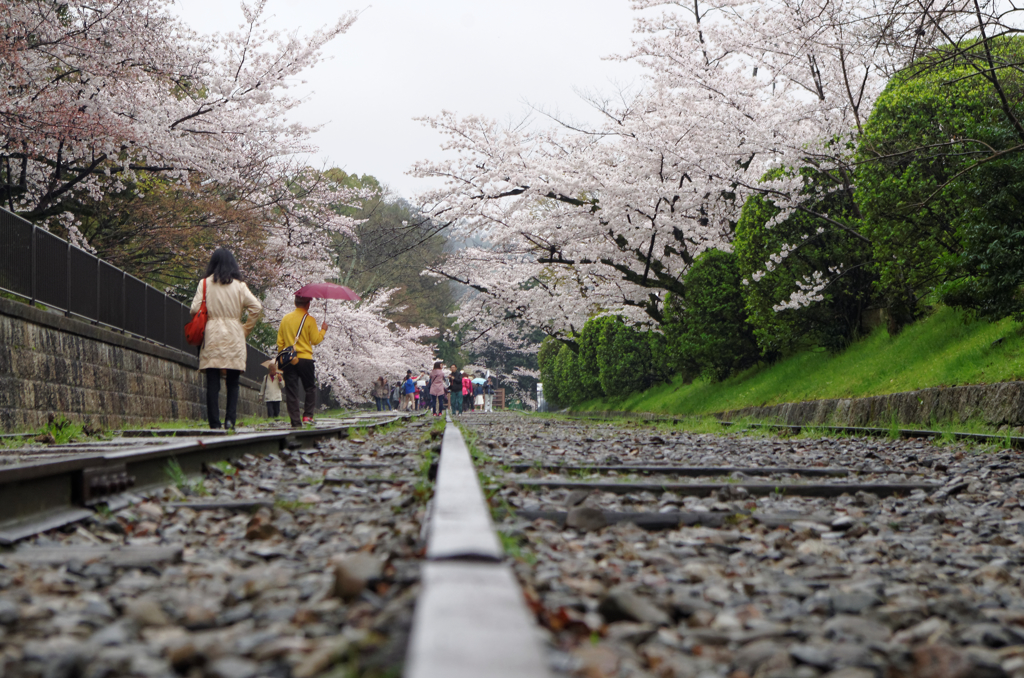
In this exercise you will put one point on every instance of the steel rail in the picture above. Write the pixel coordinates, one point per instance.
(40, 496)
(471, 619)
(1015, 442)
(754, 489)
(693, 471)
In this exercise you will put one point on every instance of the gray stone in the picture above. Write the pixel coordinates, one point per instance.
(753, 655)
(854, 602)
(99, 608)
(815, 655)
(576, 498)
(586, 519)
(9, 613)
(622, 603)
(630, 632)
(147, 612)
(232, 667)
(987, 634)
(846, 627)
(118, 633)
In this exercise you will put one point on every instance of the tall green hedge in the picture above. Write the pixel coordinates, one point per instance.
(809, 248)
(716, 336)
(936, 218)
(546, 357)
(613, 359)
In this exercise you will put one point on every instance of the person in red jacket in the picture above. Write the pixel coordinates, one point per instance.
(467, 392)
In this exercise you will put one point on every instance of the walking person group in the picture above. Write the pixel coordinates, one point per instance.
(225, 300)
(231, 310)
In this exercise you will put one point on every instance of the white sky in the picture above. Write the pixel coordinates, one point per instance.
(409, 58)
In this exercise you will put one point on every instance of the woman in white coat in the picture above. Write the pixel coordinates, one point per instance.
(223, 350)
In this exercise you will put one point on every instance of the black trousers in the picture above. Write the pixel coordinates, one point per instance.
(213, 393)
(298, 380)
(273, 409)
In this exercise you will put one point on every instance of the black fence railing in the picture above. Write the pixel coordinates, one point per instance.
(44, 269)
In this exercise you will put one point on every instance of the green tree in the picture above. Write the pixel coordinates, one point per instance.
(589, 365)
(567, 374)
(394, 245)
(939, 178)
(716, 335)
(773, 260)
(549, 376)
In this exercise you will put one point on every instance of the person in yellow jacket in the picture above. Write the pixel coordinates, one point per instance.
(304, 372)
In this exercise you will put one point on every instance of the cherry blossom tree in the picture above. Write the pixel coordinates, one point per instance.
(609, 218)
(362, 343)
(106, 101)
(98, 95)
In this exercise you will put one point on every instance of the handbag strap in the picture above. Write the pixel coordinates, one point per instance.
(204, 295)
(299, 333)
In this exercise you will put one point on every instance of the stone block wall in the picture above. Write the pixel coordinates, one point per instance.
(50, 364)
(996, 404)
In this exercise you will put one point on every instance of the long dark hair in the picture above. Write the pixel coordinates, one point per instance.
(223, 267)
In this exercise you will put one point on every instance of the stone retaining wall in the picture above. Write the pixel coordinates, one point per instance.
(995, 404)
(50, 364)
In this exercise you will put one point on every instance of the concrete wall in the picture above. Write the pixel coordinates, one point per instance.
(50, 364)
(995, 404)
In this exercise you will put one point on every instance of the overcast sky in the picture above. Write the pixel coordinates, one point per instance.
(408, 58)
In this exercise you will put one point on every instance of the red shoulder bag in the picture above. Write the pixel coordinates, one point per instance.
(195, 329)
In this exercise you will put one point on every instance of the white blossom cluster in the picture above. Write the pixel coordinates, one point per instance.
(809, 290)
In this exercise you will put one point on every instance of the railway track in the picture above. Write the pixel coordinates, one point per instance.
(542, 547)
(1005, 440)
(665, 553)
(45, 487)
(253, 554)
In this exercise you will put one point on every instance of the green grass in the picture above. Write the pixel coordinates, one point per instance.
(944, 349)
(177, 477)
(513, 547)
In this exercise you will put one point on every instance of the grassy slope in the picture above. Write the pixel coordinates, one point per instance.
(941, 350)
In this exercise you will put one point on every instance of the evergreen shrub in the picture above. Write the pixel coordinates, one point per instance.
(715, 334)
(942, 211)
(773, 260)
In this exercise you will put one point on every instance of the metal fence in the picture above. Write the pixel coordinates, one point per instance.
(39, 266)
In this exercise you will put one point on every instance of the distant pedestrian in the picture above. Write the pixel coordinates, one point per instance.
(408, 391)
(478, 395)
(422, 391)
(467, 392)
(437, 389)
(381, 394)
(456, 387)
(299, 329)
(489, 395)
(223, 351)
(270, 390)
(396, 395)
